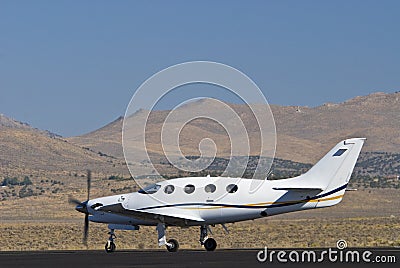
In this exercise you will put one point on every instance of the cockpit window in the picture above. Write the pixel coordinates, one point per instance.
(189, 188)
(210, 188)
(151, 189)
(231, 188)
(96, 205)
(169, 189)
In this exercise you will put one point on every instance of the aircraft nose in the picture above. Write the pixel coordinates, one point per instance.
(82, 207)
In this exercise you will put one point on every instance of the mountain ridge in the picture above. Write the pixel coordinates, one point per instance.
(9, 122)
(300, 129)
(26, 150)
(304, 134)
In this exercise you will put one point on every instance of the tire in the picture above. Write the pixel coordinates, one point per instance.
(110, 247)
(174, 247)
(210, 244)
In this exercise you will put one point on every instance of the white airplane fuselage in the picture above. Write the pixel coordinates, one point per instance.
(217, 207)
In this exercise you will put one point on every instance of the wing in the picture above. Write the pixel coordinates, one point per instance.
(170, 218)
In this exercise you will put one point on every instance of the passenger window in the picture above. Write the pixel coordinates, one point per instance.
(210, 188)
(151, 189)
(189, 188)
(231, 188)
(169, 189)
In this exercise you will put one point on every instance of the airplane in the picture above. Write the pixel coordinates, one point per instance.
(207, 201)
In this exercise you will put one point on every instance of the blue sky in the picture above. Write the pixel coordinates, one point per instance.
(72, 66)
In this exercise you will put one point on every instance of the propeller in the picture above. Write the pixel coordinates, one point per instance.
(82, 207)
(86, 223)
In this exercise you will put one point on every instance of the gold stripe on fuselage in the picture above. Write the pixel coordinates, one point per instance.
(272, 203)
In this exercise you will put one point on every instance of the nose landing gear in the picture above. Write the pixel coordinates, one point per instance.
(110, 245)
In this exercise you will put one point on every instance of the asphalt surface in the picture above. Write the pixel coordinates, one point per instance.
(183, 258)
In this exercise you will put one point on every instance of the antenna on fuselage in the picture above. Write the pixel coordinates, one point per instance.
(269, 174)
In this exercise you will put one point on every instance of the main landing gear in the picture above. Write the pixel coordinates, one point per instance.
(209, 243)
(110, 245)
(172, 245)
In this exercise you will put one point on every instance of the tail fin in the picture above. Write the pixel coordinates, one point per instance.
(335, 168)
(332, 173)
(325, 183)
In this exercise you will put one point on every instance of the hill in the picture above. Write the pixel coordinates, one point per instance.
(304, 134)
(28, 151)
(107, 139)
(10, 123)
(375, 117)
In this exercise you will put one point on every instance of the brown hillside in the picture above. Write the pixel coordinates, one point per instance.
(27, 152)
(106, 139)
(304, 134)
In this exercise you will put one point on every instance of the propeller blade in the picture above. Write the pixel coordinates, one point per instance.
(86, 229)
(89, 182)
(82, 207)
(72, 200)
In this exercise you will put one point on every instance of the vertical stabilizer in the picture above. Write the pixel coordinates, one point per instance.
(335, 168)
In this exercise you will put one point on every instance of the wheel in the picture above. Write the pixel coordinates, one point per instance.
(110, 247)
(174, 245)
(210, 244)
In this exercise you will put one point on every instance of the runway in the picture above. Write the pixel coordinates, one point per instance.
(183, 258)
